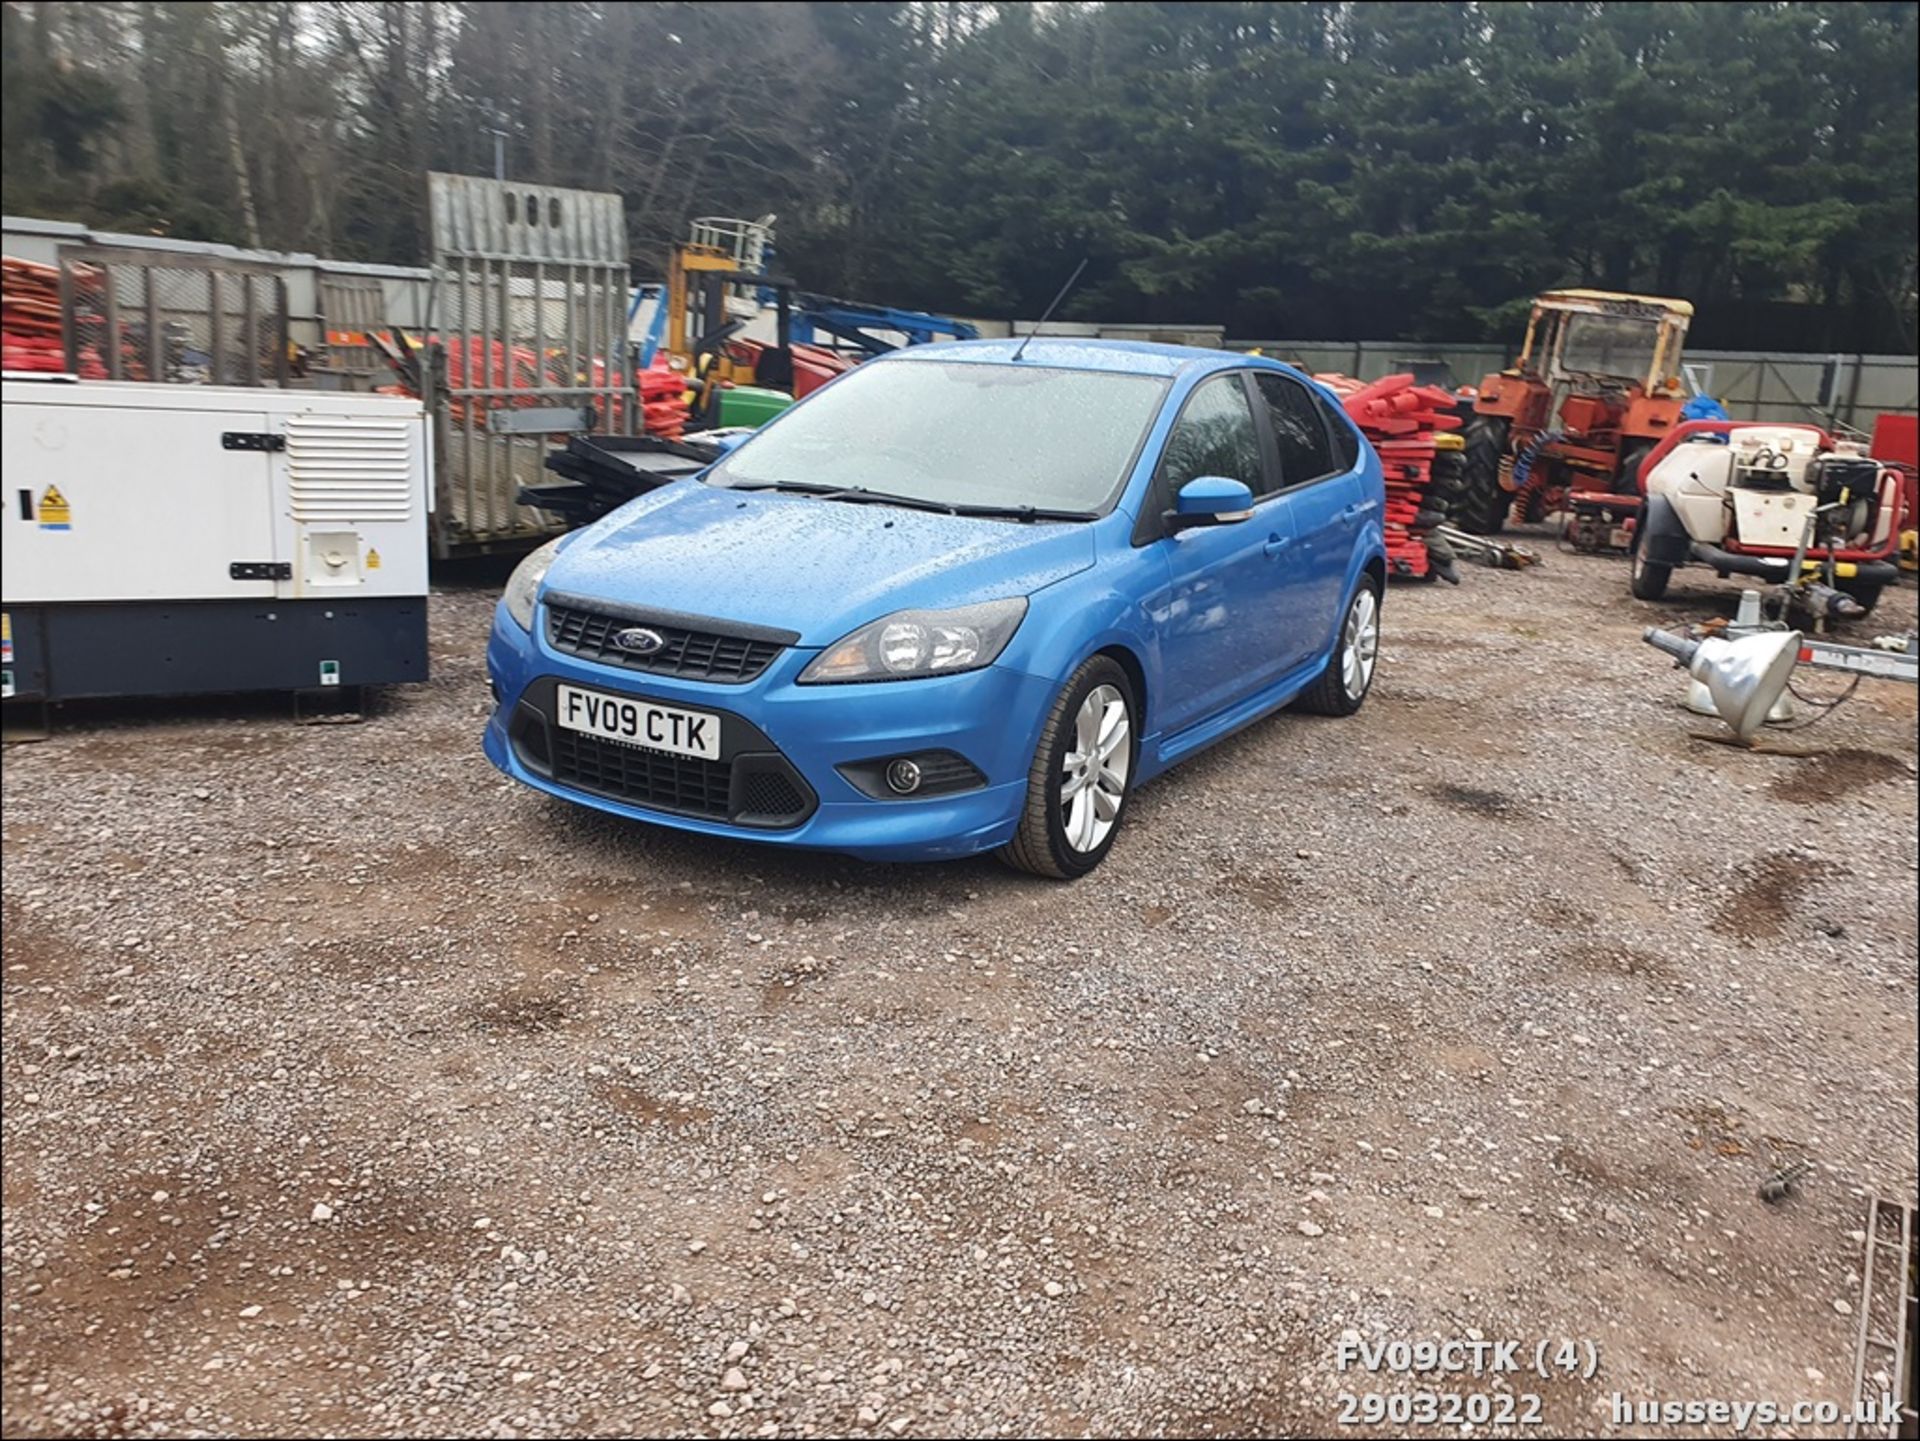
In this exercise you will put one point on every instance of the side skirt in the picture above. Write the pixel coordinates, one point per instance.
(1173, 749)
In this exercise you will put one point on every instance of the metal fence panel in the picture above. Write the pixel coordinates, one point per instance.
(1753, 385)
(530, 303)
(1850, 389)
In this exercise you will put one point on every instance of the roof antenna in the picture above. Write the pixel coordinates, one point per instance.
(1048, 315)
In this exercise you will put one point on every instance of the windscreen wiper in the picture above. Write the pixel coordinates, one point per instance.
(1025, 512)
(860, 495)
(854, 494)
(796, 486)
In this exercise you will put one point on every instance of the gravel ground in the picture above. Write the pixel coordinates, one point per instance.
(350, 1088)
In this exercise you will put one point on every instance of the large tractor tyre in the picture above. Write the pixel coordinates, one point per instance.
(1626, 480)
(1647, 579)
(1482, 504)
(1866, 593)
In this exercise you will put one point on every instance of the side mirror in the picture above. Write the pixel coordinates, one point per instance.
(1209, 500)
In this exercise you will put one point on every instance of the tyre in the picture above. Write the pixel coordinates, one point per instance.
(1342, 687)
(1646, 579)
(1483, 504)
(1077, 785)
(1866, 593)
(1445, 489)
(1626, 480)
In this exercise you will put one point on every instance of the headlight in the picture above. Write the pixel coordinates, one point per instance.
(524, 584)
(911, 643)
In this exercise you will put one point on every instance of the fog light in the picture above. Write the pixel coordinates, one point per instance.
(903, 777)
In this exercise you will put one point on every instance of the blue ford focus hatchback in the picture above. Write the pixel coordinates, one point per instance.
(967, 597)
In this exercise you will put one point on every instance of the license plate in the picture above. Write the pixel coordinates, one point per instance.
(639, 722)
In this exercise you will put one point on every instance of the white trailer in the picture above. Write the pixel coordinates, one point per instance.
(170, 539)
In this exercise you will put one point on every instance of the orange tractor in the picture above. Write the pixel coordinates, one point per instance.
(1596, 387)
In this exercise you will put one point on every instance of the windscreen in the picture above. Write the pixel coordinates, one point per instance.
(959, 433)
(1616, 345)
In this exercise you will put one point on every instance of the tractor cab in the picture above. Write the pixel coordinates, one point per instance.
(1591, 340)
(1564, 430)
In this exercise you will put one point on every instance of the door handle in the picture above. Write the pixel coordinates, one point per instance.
(1275, 544)
(1356, 510)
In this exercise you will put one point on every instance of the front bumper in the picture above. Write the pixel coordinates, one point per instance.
(775, 732)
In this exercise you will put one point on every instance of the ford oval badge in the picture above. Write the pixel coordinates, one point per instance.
(638, 640)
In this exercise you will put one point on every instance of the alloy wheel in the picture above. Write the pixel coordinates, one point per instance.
(1094, 772)
(1360, 644)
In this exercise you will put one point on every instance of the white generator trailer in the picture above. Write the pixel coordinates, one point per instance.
(1785, 503)
(172, 539)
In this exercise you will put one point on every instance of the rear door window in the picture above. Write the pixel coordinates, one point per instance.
(1299, 431)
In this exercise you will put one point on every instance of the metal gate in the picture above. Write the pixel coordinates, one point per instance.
(530, 303)
(353, 314)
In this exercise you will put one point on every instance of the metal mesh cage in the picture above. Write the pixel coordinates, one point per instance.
(130, 315)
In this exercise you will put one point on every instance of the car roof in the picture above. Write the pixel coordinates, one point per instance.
(1122, 357)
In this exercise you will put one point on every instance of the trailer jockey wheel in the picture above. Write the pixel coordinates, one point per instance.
(1865, 593)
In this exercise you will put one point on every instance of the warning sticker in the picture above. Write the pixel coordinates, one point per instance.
(373, 559)
(6, 685)
(6, 638)
(53, 512)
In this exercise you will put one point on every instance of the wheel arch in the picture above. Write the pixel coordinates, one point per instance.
(1123, 656)
(1376, 567)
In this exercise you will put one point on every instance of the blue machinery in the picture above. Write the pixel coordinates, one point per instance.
(850, 324)
(854, 324)
(656, 327)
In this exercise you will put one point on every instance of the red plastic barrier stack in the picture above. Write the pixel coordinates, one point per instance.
(1400, 419)
(663, 400)
(30, 320)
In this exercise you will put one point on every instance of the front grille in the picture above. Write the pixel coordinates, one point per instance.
(690, 654)
(685, 784)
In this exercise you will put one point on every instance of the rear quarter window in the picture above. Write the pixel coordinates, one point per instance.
(1346, 444)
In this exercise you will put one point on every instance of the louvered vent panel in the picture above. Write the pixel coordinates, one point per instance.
(341, 468)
